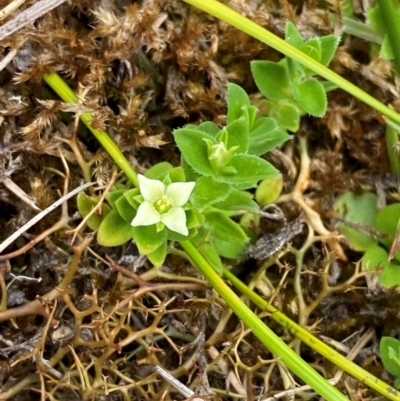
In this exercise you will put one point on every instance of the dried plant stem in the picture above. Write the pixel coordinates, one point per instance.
(145, 286)
(312, 217)
(9, 183)
(62, 223)
(7, 59)
(15, 389)
(36, 307)
(39, 216)
(361, 343)
(28, 16)
(185, 391)
(3, 304)
(6, 11)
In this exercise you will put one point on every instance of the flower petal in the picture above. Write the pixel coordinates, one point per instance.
(146, 215)
(152, 190)
(175, 220)
(178, 193)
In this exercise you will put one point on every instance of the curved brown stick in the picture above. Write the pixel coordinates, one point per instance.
(37, 307)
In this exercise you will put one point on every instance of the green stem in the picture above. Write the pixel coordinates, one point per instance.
(233, 18)
(391, 18)
(67, 94)
(392, 138)
(261, 331)
(313, 342)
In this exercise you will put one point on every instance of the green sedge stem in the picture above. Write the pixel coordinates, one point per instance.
(391, 18)
(392, 138)
(233, 18)
(261, 331)
(313, 342)
(68, 96)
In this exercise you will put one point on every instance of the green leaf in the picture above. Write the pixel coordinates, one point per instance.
(202, 236)
(375, 18)
(159, 171)
(208, 191)
(238, 135)
(389, 348)
(296, 72)
(269, 190)
(174, 236)
(250, 222)
(386, 51)
(328, 86)
(158, 256)
(190, 174)
(177, 174)
(237, 201)
(119, 186)
(397, 383)
(194, 218)
(392, 138)
(148, 239)
(375, 259)
(292, 35)
(125, 209)
(249, 114)
(266, 136)
(113, 196)
(209, 128)
(286, 114)
(114, 230)
(250, 169)
(386, 222)
(329, 45)
(271, 79)
(360, 209)
(210, 253)
(130, 195)
(237, 98)
(312, 48)
(311, 97)
(85, 204)
(347, 8)
(231, 250)
(194, 149)
(223, 228)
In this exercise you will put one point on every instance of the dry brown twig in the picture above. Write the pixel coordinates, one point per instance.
(6, 11)
(37, 307)
(26, 17)
(39, 216)
(311, 216)
(145, 286)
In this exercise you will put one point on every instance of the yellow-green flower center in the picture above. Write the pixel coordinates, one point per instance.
(163, 205)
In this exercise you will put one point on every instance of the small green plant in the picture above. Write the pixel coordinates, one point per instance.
(373, 232)
(389, 349)
(200, 199)
(291, 89)
(197, 200)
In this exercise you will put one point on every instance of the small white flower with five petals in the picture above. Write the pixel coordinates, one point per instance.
(163, 203)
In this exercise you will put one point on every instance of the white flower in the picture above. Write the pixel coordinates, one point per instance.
(163, 204)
